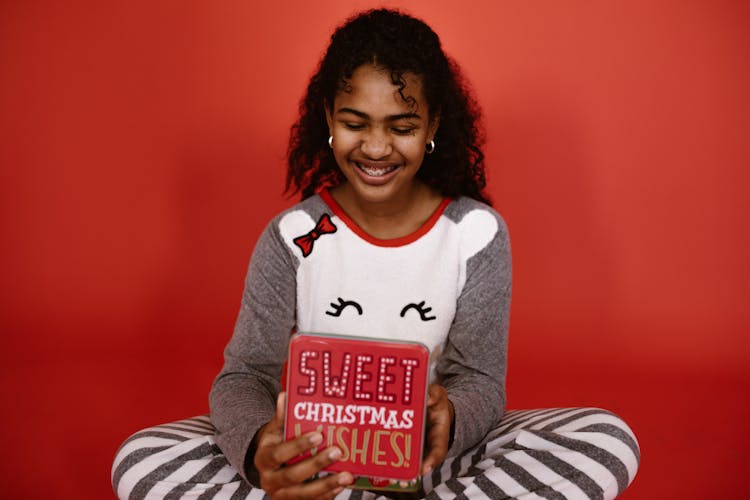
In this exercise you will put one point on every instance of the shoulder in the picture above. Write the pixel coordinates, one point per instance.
(310, 208)
(299, 217)
(459, 208)
(275, 248)
(478, 224)
(294, 223)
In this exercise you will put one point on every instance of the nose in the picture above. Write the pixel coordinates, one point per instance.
(376, 144)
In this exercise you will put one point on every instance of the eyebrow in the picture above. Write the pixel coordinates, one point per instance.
(390, 118)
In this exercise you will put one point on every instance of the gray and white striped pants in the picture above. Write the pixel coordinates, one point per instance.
(560, 453)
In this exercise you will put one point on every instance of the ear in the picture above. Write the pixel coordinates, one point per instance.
(433, 127)
(329, 117)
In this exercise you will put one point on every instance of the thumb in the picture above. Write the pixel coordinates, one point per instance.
(272, 432)
(434, 392)
(278, 418)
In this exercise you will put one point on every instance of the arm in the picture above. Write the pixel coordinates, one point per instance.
(473, 365)
(248, 421)
(244, 393)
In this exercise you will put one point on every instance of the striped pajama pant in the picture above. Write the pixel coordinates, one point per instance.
(561, 453)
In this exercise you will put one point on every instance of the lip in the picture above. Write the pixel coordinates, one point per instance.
(373, 180)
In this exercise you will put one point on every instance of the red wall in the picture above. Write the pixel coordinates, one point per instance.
(142, 151)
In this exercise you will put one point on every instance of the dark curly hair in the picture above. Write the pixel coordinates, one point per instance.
(400, 44)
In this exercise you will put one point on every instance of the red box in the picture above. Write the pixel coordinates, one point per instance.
(368, 397)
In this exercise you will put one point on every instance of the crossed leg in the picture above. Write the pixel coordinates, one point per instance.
(559, 453)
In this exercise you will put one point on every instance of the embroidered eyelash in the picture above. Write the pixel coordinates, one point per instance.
(421, 309)
(338, 308)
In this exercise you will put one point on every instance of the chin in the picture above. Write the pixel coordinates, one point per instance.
(374, 194)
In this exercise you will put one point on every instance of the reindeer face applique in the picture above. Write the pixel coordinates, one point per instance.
(352, 285)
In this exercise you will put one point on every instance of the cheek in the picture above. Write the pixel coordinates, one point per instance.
(341, 159)
(345, 139)
(343, 144)
(413, 150)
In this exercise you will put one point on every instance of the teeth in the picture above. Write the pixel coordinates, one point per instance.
(376, 172)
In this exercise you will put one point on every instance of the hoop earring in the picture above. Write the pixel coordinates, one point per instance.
(430, 148)
(330, 141)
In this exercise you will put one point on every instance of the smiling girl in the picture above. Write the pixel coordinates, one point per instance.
(395, 239)
(379, 140)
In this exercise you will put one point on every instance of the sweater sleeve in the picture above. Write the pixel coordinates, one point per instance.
(473, 365)
(243, 395)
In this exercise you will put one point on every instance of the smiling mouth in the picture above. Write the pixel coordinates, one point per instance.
(376, 171)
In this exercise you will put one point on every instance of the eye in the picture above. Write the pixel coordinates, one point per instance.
(421, 309)
(404, 131)
(354, 126)
(404, 127)
(343, 304)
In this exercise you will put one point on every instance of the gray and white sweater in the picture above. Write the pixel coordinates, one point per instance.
(447, 285)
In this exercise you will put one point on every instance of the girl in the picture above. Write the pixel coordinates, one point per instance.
(394, 238)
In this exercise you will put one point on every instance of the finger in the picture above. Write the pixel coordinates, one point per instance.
(437, 442)
(324, 488)
(431, 395)
(438, 434)
(272, 455)
(281, 407)
(272, 432)
(273, 449)
(296, 474)
(278, 417)
(435, 393)
(331, 494)
(270, 435)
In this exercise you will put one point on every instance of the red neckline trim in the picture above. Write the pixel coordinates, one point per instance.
(392, 242)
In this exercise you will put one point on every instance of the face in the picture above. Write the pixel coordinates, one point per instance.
(379, 138)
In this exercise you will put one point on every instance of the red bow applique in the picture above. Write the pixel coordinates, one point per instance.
(305, 242)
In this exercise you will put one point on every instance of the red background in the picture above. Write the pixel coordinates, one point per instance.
(141, 153)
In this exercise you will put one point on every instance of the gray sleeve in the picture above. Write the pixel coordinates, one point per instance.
(243, 395)
(473, 365)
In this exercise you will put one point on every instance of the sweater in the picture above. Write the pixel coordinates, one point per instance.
(447, 285)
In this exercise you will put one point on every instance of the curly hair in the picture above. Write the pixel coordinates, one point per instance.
(400, 44)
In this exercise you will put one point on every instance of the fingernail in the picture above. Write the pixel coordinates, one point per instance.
(334, 454)
(345, 479)
(316, 439)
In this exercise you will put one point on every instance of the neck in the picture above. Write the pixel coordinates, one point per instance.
(395, 218)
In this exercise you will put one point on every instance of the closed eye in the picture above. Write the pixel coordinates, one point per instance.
(404, 131)
(341, 305)
(354, 126)
(421, 309)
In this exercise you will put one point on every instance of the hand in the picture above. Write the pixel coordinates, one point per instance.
(288, 481)
(439, 420)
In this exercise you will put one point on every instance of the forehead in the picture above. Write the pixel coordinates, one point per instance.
(371, 89)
